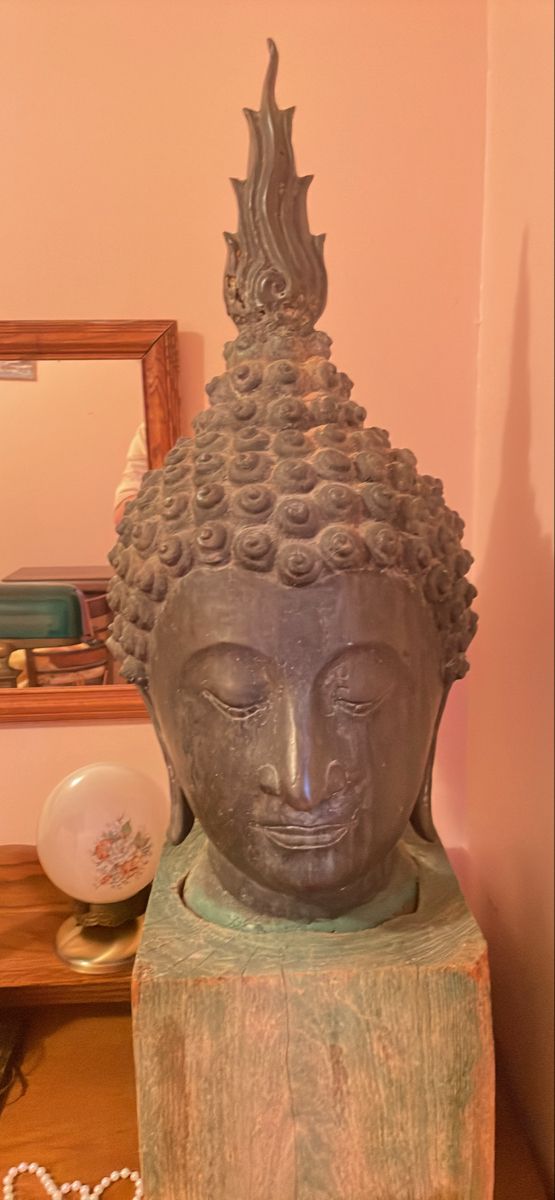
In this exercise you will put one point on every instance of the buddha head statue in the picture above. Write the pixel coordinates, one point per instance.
(290, 593)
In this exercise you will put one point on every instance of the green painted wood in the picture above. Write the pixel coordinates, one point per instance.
(314, 1066)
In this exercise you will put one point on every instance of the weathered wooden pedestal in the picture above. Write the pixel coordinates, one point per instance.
(314, 1066)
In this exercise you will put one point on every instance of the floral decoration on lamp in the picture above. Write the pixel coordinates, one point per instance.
(121, 853)
(101, 832)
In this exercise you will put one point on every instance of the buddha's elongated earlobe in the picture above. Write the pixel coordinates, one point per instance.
(421, 816)
(181, 817)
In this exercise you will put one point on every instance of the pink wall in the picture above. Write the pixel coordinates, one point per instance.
(66, 436)
(510, 781)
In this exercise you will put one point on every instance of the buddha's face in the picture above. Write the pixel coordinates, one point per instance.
(298, 721)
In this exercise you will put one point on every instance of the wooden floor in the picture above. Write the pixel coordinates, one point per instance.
(75, 1111)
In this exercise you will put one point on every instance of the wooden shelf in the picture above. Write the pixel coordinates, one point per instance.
(31, 910)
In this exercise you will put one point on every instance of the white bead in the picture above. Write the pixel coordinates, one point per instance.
(58, 1193)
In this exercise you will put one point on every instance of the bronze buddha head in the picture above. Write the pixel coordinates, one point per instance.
(290, 592)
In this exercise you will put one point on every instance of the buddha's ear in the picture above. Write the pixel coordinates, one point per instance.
(181, 817)
(421, 816)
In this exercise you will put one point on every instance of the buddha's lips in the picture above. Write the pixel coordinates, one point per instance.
(298, 837)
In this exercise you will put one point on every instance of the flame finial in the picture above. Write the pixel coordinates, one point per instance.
(275, 271)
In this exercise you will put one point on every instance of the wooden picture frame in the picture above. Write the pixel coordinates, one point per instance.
(154, 343)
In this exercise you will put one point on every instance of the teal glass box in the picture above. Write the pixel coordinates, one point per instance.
(38, 612)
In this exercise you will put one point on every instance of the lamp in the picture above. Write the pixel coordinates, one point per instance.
(39, 614)
(99, 839)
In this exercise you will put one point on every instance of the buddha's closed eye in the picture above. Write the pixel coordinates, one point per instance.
(360, 679)
(360, 708)
(237, 710)
(232, 679)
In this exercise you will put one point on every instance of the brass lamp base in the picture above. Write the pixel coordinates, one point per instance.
(98, 949)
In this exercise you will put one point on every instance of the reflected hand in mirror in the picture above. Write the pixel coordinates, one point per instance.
(136, 464)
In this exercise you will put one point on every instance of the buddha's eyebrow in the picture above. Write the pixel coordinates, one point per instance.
(246, 655)
(378, 655)
(380, 651)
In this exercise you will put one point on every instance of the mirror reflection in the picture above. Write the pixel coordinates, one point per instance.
(74, 454)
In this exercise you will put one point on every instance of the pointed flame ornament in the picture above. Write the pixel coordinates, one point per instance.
(275, 271)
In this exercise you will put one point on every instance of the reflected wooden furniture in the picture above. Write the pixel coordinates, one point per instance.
(83, 664)
(87, 578)
(69, 666)
(154, 344)
(75, 1109)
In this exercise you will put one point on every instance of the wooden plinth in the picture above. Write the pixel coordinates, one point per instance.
(314, 1066)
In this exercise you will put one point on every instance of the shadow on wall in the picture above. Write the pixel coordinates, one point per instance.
(191, 377)
(510, 770)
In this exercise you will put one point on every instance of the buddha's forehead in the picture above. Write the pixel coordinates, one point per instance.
(212, 607)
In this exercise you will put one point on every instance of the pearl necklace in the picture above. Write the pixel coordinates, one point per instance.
(82, 1190)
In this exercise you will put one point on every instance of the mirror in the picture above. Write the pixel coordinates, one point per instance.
(95, 406)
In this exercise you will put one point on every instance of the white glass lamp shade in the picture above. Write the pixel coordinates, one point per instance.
(101, 831)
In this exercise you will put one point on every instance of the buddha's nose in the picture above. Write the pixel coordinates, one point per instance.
(306, 777)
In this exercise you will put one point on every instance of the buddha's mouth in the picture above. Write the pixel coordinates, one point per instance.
(298, 837)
